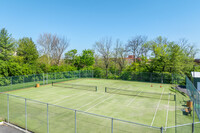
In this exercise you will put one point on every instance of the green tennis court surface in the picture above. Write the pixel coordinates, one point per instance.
(151, 103)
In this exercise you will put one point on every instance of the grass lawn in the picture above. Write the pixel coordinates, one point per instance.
(159, 111)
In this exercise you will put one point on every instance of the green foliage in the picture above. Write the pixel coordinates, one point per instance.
(87, 58)
(6, 45)
(27, 50)
(166, 57)
(71, 57)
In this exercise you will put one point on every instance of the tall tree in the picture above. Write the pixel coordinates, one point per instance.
(71, 57)
(87, 58)
(120, 54)
(53, 46)
(159, 53)
(134, 45)
(103, 47)
(6, 45)
(27, 50)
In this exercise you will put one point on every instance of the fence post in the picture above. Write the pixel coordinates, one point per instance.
(75, 121)
(192, 127)
(111, 125)
(25, 114)
(43, 78)
(8, 107)
(92, 74)
(175, 114)
(11, 80)
(34, 77)
(162, 78)
(47, 118)
(23, 81)
(79, 74)
(193, 116)
(47, 79)
(161, 129)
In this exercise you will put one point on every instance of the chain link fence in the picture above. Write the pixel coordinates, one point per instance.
(43, 117)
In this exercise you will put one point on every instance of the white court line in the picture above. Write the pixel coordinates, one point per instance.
(133, 98)
(69, 98)
(157, 108)
(167, 113)
(90, 102)
(98, 103)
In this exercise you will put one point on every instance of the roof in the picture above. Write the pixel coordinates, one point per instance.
(195, 74)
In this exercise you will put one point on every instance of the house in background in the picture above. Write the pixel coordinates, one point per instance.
(130, 59)
(197, 61)
(196, 79)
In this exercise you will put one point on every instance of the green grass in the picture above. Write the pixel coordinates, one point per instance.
(150, 111)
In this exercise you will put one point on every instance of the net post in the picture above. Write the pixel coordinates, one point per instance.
(75, 121)
(52, 83)
(111, 125)
(25, 113)
(105, 89)
(8, 107)
(161, 129)
(47, 118)
(96, 88)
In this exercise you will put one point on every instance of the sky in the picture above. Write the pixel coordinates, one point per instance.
(84, 22)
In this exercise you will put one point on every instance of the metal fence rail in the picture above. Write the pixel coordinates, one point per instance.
(41, 117)
(24, 81)
(194, 96)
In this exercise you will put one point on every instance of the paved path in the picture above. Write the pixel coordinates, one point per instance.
(8, 129)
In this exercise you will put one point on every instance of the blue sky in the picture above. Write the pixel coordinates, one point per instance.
(86, 21)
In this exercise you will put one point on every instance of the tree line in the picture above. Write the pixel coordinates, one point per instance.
(160, 55)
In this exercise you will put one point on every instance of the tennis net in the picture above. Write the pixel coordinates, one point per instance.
(75, 86)
(165, 96)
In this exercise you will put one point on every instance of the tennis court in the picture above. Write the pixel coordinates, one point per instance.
(152, 104)
(157, 110)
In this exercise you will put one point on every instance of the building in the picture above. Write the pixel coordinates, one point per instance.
(197, 61)
(130, 59)
(196, 79)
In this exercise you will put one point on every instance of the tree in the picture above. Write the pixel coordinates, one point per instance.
(120, 54)
(135, 44)
(71, 57)
(87, 58)
(27, 50)
(103, 47)
(160, 55)
(53, 46)
(6, 45)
